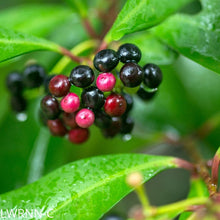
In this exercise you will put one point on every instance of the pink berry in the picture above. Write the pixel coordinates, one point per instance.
(70, 103)
(106, 82)
(85, 118)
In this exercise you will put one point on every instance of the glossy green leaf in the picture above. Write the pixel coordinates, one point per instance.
(13, 44)
(153, 51)
(196, 37)
(138, 15)
(36, 19)
(197, 189)
(85, 189)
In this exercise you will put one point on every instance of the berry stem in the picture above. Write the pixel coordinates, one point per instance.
(89, 28)
(68, 53)
(78, 49)
(215, 167)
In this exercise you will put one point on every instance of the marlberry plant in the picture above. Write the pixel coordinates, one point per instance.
(92, 92)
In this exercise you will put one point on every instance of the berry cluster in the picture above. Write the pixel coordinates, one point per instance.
(32, 77)
(104, 99)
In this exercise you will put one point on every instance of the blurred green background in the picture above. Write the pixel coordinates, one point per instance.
(188, 96)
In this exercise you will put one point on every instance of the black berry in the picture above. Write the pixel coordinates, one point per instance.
(59, 85)
(129, 101)
(93, 98)
(127, 125)
(34, 76)
(106, 60)
(152, 75)
(18, 103)
(115, 105)
(82, 76)
(131, 75)
(14, 83)
(145, 95)
(129, 53)
(102, 120)
(114, 128)
(50, 107)
(56, 127)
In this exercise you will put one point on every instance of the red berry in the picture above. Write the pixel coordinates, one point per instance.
(78, 135)
(59, 85)
(69, 119)
(70, 103)
(115, 105)
(85, 118)
(56, 127)
(106, 82)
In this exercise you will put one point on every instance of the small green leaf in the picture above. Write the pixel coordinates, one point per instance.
(35, 19)
(196, 37)
(138, 15)
(85, 189)
(13, 44)
(153, 50)
(197, 189)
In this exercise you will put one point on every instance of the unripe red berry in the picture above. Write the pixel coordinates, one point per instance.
(59, 85)
(115, 105)
(56, 127)
(70, 103)
(78, 135)
(85, 118)
(106, 82)
(69, 119)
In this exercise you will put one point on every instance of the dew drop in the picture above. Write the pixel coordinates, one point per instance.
(21, 117)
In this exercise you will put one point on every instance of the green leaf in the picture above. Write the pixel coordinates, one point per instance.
(79, 7)
(13, 44)
(196, 37)
(35, 19)
(85, 189)
(138, 15)
(197, 189)
(153, 50)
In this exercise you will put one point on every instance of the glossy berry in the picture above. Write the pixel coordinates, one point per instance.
(78, 135)
(129, 53)
(82, 76)
(59, 85)
(50, 107)
(145, 95)
(115, 105)
(152, 75)
(46, 82)
(56, 127)
(14, 83)
(18, 103)
(85, 118)
(129, 101)
(106, 82)
(106, 60)
(93, 98)
(69, 119)
(70, 103)
(102, 120)
(131, 75)
(127, 125)
(34, 76)
(114, 128)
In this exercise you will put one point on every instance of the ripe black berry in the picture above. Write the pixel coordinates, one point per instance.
(106, 60)
(14, 83)
(145, 95)
(93, 98)
(114, 128)
(102, 120)
(34, 76)
(50, 107)
(152, 75)
(127, 125)
(82, 76)
(56, 127)
(131, 75)
(115, 105)
(129, 53)
(59, 85)
(129, 101)
(18, 103)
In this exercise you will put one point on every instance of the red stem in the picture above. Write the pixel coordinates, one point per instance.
(215, 166)
(66, 52)
(90, 30)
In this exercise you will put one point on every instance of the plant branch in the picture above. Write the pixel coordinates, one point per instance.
(73, 57)
(215, 167)
(89, 28)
